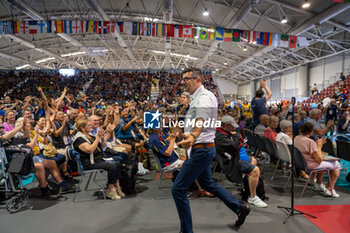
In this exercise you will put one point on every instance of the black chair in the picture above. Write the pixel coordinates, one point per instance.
(328, 147)
(343, 150)
(270, 147)
(260, 142)
(220, 161)
(301, 164)
(251, 139)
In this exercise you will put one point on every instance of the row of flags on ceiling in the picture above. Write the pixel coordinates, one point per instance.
(348, 1)
(151, 29)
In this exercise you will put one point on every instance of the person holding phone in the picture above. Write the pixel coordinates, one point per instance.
(311, 151)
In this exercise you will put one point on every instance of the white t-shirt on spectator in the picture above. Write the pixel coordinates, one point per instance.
(284, 138)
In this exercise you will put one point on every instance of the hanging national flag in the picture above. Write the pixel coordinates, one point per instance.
(108, 27)
(77, 26)
(99, 27)
(20, 27)
(245, 36)
(186, 31)
(252, 36)
(302, 41)
(260, 38)
(119, 27)
(211, 33)
(177, 31)
(284, 41)
(160, 29)
(219, 34)
(347, 1)
(68, 26)
(276, 42)
(272, 36)
(228, 35)
(149, 29)
(135, 28)
(127, 28)
(267, 38)
(154, 29)
(58, 26)
(6, 27)
(33, 26)
(236, 35)
(170, 30)
(293, 42)
(90, 26)
(203, 33)
(142, 32)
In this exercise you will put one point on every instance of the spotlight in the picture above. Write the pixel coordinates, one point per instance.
(205, 12)
(216, 69)
(306, 4)
(225, 63)
(284, 20)
(245, 48)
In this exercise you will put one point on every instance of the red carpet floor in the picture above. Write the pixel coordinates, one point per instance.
(330, 218)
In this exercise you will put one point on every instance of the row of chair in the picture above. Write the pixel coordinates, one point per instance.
(282, 152)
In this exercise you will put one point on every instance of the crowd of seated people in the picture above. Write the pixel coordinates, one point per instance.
(55, 115)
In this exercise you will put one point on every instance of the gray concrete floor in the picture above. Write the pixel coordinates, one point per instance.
(141, 214)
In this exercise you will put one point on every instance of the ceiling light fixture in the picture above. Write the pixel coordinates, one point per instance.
(245, 48)
(45, 60)
(205, 12)
(72, 54)
(284, 20)
(22, 67)
(225, 63)
(306, 4)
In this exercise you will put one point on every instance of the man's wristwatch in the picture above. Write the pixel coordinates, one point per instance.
(194, 137)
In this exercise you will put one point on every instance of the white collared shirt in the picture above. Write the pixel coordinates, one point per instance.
(203, 105)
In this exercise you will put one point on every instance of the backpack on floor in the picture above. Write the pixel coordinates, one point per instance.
(128, 176)
(260, 189)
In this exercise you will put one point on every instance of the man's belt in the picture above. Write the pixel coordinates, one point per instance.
(203, 145)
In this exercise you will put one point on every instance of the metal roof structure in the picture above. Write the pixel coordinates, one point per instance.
(324, 23)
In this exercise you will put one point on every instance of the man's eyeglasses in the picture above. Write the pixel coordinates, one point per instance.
(188, 78)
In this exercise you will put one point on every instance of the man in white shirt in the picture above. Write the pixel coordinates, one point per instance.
(199, 140)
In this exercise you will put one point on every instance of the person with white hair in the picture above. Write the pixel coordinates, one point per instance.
(318, 130)
(286, 133)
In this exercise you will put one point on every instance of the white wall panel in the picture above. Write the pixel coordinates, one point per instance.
(316, 73)
(290, 79)
(333, 66)
(227, 87)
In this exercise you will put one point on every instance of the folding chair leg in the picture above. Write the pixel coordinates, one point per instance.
(79, 185)
(159, 183)
(88, 182)
(308, 180)
(221, 173)
(99, 185)
(274, 172)
(214, 168)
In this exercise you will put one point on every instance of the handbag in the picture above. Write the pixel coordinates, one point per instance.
(49, 150)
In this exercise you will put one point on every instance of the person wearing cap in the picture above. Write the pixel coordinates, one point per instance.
(228, 144)
(199, 142)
